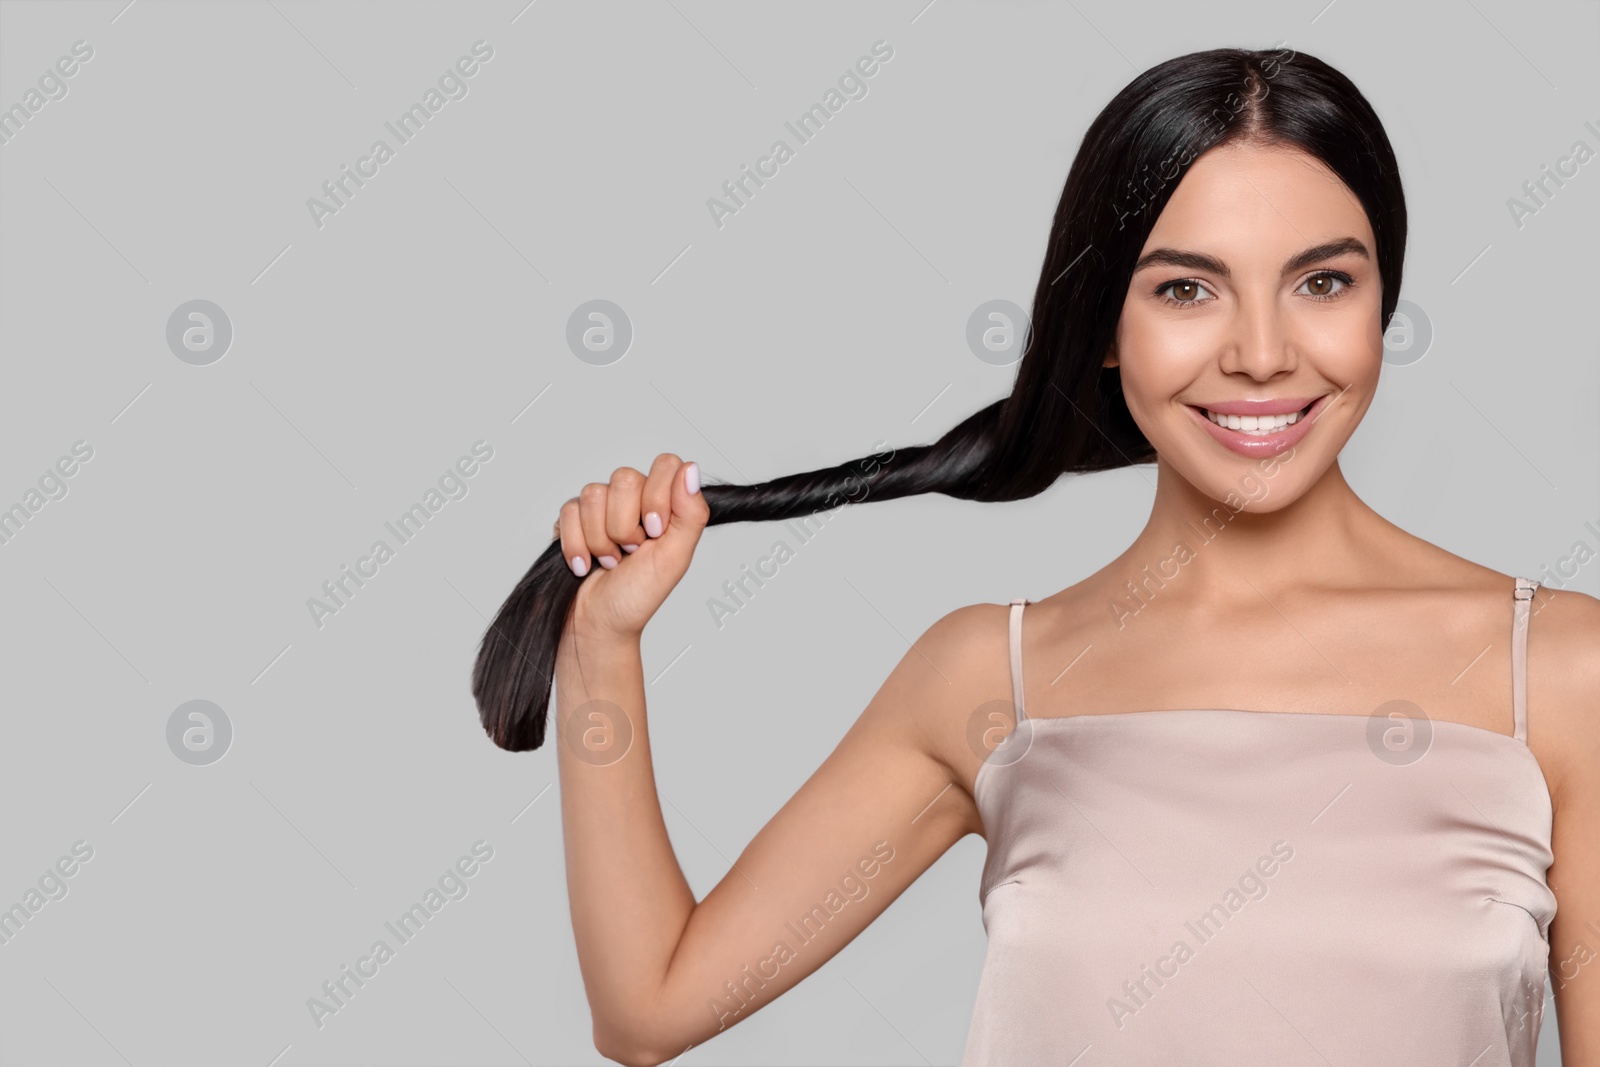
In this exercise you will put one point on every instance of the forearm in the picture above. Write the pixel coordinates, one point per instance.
(630, 901)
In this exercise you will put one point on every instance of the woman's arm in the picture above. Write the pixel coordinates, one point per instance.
(1564, 639)
(664, 972)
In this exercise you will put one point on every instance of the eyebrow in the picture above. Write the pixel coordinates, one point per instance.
(1173, 257)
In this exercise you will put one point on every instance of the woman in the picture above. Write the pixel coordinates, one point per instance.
(1281, 783)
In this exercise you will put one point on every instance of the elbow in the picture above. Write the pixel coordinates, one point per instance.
(628, 1046)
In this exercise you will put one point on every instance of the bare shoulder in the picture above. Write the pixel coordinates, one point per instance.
(1564, 681)
(950, 681)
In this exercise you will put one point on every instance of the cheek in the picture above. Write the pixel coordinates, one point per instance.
(1157, 361)
(1349, 351)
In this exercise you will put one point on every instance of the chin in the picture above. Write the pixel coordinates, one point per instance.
(1258, 485)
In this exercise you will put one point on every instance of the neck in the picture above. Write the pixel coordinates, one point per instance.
(1212, 551)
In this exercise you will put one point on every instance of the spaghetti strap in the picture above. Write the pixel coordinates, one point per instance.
(1016, 655)
(1519, 658)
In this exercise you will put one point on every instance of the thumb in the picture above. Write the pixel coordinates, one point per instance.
(689, 516)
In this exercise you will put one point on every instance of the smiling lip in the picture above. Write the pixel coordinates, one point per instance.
(1257, 445)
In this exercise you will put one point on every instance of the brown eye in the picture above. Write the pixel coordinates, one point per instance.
(1328, 285)
(1185, 292)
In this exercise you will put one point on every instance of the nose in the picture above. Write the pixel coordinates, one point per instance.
(1259, 341)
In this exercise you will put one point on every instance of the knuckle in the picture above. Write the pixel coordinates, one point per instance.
(626, 476)
(593, 493)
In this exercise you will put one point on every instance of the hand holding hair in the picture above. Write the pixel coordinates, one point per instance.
(643, 532)
(646, 529)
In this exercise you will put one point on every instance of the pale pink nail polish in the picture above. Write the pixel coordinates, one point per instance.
(652, 524)
(630, 548)
(691, 478)
(579, 567)
(608, 562)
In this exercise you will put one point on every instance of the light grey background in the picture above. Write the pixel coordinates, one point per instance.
(431, 312)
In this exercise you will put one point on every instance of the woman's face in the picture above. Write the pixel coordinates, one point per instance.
(1257, 290)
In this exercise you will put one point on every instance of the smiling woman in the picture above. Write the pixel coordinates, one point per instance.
(1319, 677)
(1321, 306)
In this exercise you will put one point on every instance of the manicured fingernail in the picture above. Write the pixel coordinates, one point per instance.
(608, 562)
(630, 548)
(579, 567)
(691, 478)
(652, 524)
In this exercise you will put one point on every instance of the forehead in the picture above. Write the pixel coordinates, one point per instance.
(1241, 199)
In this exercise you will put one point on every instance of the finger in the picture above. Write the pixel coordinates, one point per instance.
(655, 503)
(592, 517)
(622, 508)
(573, 549)
(689, 509)
(689, 517)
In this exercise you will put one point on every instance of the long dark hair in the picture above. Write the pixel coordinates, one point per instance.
(1066, 413)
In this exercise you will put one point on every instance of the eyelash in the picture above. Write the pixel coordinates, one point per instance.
(1349, 283)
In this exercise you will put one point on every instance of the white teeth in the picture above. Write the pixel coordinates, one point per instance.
(1255, 425)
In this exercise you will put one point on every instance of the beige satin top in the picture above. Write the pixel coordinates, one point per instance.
(1246, 888)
